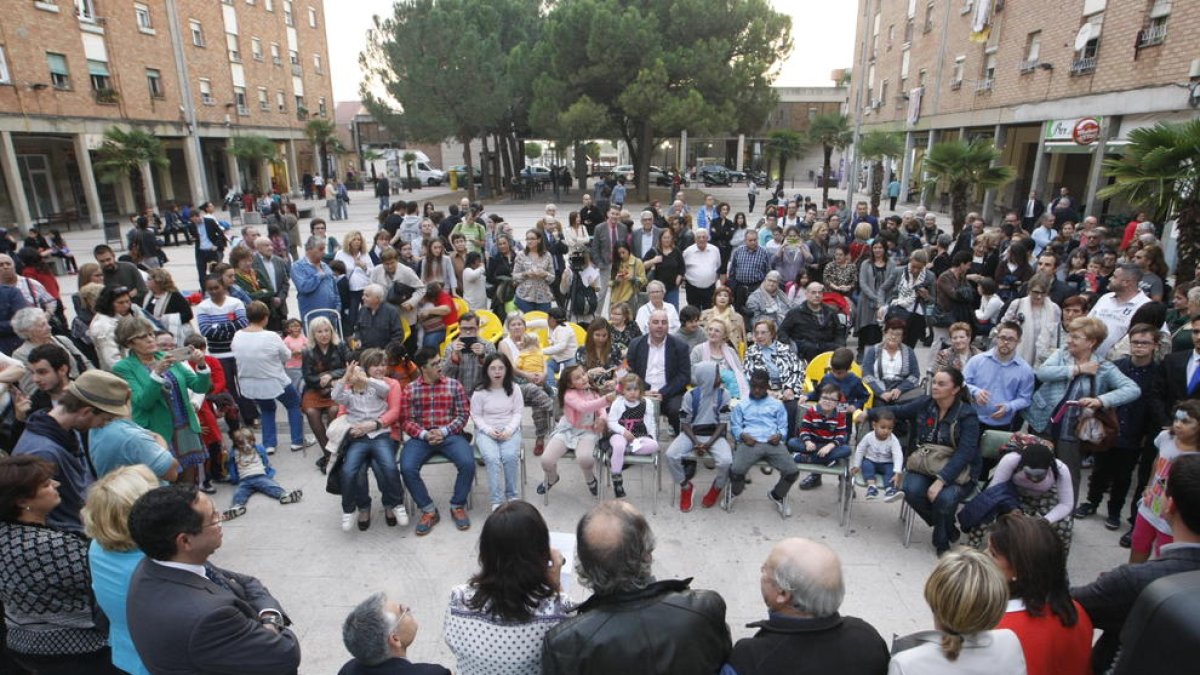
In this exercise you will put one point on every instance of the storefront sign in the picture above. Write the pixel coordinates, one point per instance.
(1083, 130)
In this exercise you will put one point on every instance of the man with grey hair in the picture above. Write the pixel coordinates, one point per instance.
(1116, 307)
(646, 237)
(813, 327)
(701, 265)
(801, 584)
(615, 555)
(315, 287)
(378, 322)
(377, 633)
(275, 269)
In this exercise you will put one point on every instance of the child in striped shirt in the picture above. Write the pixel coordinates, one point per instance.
(824, 434)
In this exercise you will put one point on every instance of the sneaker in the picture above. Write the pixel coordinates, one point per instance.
(618, 487)
(1112, 523)
(892, 494)
(271, 450)
(292, 497)
(347, 521)
(593, 487)
(459, 515)
(400, 513)
(785, 509)
(207, 488)
(297, 447)
(322, 463)
(234, 512)
(389, 517)
(1126, 540)
(539, 446)
(711, 497)
(872, 492)
(427, 521)
(811, 482)
(1085, 509)
(685, 497)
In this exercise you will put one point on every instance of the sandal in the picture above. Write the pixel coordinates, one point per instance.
(593, 487)
(544, 487)
(292, 497)
(234, 512)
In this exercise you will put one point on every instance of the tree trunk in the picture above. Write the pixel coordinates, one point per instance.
(1188, 247)
(408, 184)
(783, 160)
(517, 151)
(876, 187)
(326, 168)
(828, 152)
(581, 167)
(958, 208)
(505, 162)
(485, 164)
(641, 162)
(466, 142)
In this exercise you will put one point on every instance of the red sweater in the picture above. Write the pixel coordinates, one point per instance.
(1051, 648)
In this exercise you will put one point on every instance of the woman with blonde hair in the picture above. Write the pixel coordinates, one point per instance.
(723, 310)
(112, 555)
(968, 597)
(168, 306)
(357, 259)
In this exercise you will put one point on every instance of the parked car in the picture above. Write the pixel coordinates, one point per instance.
(657, 175)
(713, 174)
(538, 174)
(461, 170)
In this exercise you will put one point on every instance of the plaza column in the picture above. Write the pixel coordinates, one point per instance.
(168, 185)
(125, 201)
(682, 166)
(1091, 201)
(1040, 164)
(264, 175)
(927, 198)
(906, 166)
(999, 139)
(150, 193)
(741, 151)
(12, 180)
(197, 181)
(293, 173)
(231, 166)
(87, 176)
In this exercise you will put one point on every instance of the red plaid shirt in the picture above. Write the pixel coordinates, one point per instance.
(442, 405)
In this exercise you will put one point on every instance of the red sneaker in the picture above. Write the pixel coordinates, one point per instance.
(539, 447)
(711, 497)
(685, 497)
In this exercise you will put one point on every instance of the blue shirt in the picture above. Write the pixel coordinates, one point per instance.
(315, 288)
(124, 443)
(853, 390)
(761, 418)
(111, 572)
(1007, 382)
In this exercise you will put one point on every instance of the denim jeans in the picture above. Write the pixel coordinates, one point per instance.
(260, 483)
(672, 297)
(501, 457)
(526, 306)
(380, 454)
(803, 456)
(884, 470)
(455, 448)
(434, 338)
(291, 401)
(553, 368)
(940, 513)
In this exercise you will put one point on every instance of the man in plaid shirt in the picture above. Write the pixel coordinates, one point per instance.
(748, 266)
(433, 412)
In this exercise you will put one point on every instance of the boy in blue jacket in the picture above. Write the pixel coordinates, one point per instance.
(250, 469)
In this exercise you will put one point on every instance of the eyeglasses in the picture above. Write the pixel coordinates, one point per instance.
(143, 336)
(1007, 338)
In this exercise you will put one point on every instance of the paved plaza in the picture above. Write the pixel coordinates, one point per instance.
(319, 572)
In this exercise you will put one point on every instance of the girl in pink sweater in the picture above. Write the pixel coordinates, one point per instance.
(580, 427)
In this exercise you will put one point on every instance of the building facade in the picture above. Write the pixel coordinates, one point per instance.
(195, 73)
(1058, 86)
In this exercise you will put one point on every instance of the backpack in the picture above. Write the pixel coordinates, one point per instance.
(584, 300)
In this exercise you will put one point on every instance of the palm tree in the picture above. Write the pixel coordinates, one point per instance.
(1161, 169)
(784, 144)
(830, 131)
(320, 134)
(409, 158)
(122, 154)
(253, 149)
(965, 167)
(877, 145)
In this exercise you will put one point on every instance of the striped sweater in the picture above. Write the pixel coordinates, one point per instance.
(218, 324)
(822, 429)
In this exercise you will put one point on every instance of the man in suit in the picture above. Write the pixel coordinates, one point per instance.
(604, 241)
(663, 362)
(272, 268)
(1178, 379)
(1109, 599)
(1031, 211)
(645, 237)
(189, 616)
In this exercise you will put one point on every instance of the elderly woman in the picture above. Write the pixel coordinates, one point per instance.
(944, 417)
(873, 275)
(718, 350)
(167, 305)
(1033, 313)
(261, 356)
(533, 389)
(162, 386)
(322, 364)
(113, 304)
(723, 309)
(908, 291)
(959, 351)
(598, 355)
(656, 293)
(112, 555)
(778, 359)
(1076, 374)
(1054, 336)
(841, 274)
(768, 301)
(891, 368)
(621, 326)
(44, 580)
(32, 325)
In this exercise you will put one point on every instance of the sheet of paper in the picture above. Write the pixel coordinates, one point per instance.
(565, 543)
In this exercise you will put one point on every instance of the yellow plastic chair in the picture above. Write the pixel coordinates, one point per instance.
(535, 322)
(580, 333)
(407, 329)
(819, 366)
(451, 336)
(490, 326)
(461, 306)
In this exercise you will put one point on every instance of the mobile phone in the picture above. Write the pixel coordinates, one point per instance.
(467, 342)
(180, 353)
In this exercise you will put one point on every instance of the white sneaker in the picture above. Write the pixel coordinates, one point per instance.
(347, 522)
(401, 514)
(308, 440)
(271, 450)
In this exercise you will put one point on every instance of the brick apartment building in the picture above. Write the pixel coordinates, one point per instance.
(195, 73)
(1057, 85)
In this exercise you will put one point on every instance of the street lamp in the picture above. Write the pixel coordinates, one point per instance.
(666, 153)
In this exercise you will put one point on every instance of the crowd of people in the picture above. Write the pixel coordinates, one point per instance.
(684, 333)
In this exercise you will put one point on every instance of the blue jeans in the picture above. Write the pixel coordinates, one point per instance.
(260, 483)
(380, 454)
(940, 513)
(434, 338)
(552, 370)
(672, 297)
(884, 470)
(802, 456)
(455, 448)
(526, 306)
(291, 401)
(383, 204)
(500, 457)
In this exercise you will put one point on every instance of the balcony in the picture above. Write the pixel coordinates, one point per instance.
(1028, 66)
(1083, 66)
(106, 96)
(956, 85)
(984, 85)
(1154, 35)
(297, 70)
(277, 60)
(302, 114)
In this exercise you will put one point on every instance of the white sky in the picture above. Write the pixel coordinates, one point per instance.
(822, 33)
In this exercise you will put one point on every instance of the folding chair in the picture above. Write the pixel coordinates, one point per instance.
(434, 459)
(989, 448)
(606, 474)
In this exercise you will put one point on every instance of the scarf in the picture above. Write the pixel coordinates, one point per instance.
(251, 280)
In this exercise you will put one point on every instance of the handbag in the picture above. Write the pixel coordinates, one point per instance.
(931, 458)
(400, 293)
(333, 477)
(1097, 430)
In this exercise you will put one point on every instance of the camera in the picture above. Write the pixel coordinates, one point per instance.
(467, 342)
(577, 261)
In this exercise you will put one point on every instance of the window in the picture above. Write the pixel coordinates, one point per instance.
(1033, 48)
(287, 13)
(264, 102)
(142, 12)
(883, 87)
(321, 106)
(275, 58)
(1155, 33)
(929, 16)
(60, 77)
(256, 49)
(312, 17)
(957, 77)
(987, 77)
(281, 101)
(85, 10)
(908, 30)
(294, 57)
(5, 78)
(1085, 59)
(904, 61)
(232, 45)
(46, 5)
(154, 83)
(98, 71)
(301, 111)
(269, 5)
(921, 75)
(317, 63)
(206, 96)
(227, 2)
(239, 98)
(197, 32)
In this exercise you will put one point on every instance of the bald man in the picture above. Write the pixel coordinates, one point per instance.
(801, 584)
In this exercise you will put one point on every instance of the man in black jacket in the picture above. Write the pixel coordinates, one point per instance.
(378, 322)
(663, 362)
(802, 586)
(609, 635)
(1109, 599)
(813, 326)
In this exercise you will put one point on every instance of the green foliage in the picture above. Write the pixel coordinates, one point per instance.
(253, 148)
(830, 131)
(877, 146)
(533, 150)
(124, 151)
(785, 144)
(1160, 172)
(965, 167)
(320, 133)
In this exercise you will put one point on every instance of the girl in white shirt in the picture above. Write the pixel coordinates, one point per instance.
(632, 421)
(496, 408)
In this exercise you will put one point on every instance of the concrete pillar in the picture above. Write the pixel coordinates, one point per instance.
(683, 150)
(197, 181)
(1091, 202)
(126, 204)
(906, 163)
(231, 168)
(1040, 166)
(999, 138)
(88, 177)
(167, 183)
(928, 195)
(741, 151)
(293, 170)
(12, 180)
(264, 175)
(150, 193)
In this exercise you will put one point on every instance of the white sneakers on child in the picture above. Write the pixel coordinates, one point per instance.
(347, 522)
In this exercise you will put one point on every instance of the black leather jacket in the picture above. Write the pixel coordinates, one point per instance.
(663, 629)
